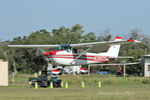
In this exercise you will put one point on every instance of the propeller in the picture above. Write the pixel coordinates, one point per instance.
(42, 54)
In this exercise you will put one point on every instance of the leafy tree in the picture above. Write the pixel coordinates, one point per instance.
(105, 36)
(89, 37)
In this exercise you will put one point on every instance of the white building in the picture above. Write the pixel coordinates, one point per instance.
(147, 65)
(3, 73)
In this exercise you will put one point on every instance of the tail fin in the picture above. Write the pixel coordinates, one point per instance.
(113, 50)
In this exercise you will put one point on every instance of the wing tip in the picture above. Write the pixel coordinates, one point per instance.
(135, 41)
(118, 37)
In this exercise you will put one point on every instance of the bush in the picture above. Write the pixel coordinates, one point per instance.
(146, 81)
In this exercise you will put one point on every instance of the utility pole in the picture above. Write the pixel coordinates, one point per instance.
(124, 68)
(89, 70)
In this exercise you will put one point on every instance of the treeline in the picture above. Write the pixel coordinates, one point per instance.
(27, 60)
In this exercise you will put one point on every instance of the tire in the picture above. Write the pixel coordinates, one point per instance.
(32, 85)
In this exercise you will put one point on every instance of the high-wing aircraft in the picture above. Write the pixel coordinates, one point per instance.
(69, 54)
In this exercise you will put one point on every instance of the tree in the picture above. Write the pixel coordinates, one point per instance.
(105, 36)
(65, 35)
(135, 34)
(89, 37)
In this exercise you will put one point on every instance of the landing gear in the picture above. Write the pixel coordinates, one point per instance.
(56, 82)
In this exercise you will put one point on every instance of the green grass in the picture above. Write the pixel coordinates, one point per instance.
(113, 88)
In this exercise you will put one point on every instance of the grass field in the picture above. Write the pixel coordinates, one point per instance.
(113, 88)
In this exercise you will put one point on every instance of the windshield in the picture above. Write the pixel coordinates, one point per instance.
(66, 47)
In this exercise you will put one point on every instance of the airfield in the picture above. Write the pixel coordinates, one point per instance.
(113, 88)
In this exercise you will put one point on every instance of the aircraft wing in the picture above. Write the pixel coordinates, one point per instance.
(34, 46)
(104, 43)
(94, 44)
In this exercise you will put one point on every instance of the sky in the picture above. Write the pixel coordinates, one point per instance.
(22, 17)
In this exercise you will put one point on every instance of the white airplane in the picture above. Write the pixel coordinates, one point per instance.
(75, 70)
(68, 55)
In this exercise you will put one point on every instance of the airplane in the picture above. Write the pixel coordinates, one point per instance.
(75, 70)
(72, 70)
(69, 54)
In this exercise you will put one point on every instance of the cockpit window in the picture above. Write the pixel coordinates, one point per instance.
(66, 47)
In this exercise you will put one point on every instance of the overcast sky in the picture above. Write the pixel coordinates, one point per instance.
(22, 17)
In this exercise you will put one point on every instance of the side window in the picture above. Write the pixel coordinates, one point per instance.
(75, 50)
(68, 49)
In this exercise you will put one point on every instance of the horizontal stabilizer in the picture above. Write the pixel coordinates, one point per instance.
(122, 57)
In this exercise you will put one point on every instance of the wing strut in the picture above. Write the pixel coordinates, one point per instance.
(81, 54)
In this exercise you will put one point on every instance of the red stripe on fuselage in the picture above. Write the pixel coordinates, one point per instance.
(74, 58)
(102, 59)
(74, 55)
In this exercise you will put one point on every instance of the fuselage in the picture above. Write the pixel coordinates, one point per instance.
(63, 57)
(66, 55)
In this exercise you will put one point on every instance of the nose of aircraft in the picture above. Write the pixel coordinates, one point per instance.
(46, 53)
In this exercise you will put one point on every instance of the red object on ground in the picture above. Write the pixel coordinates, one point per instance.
(82, 68)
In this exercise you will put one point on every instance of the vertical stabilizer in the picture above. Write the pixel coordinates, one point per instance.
(113, 50)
